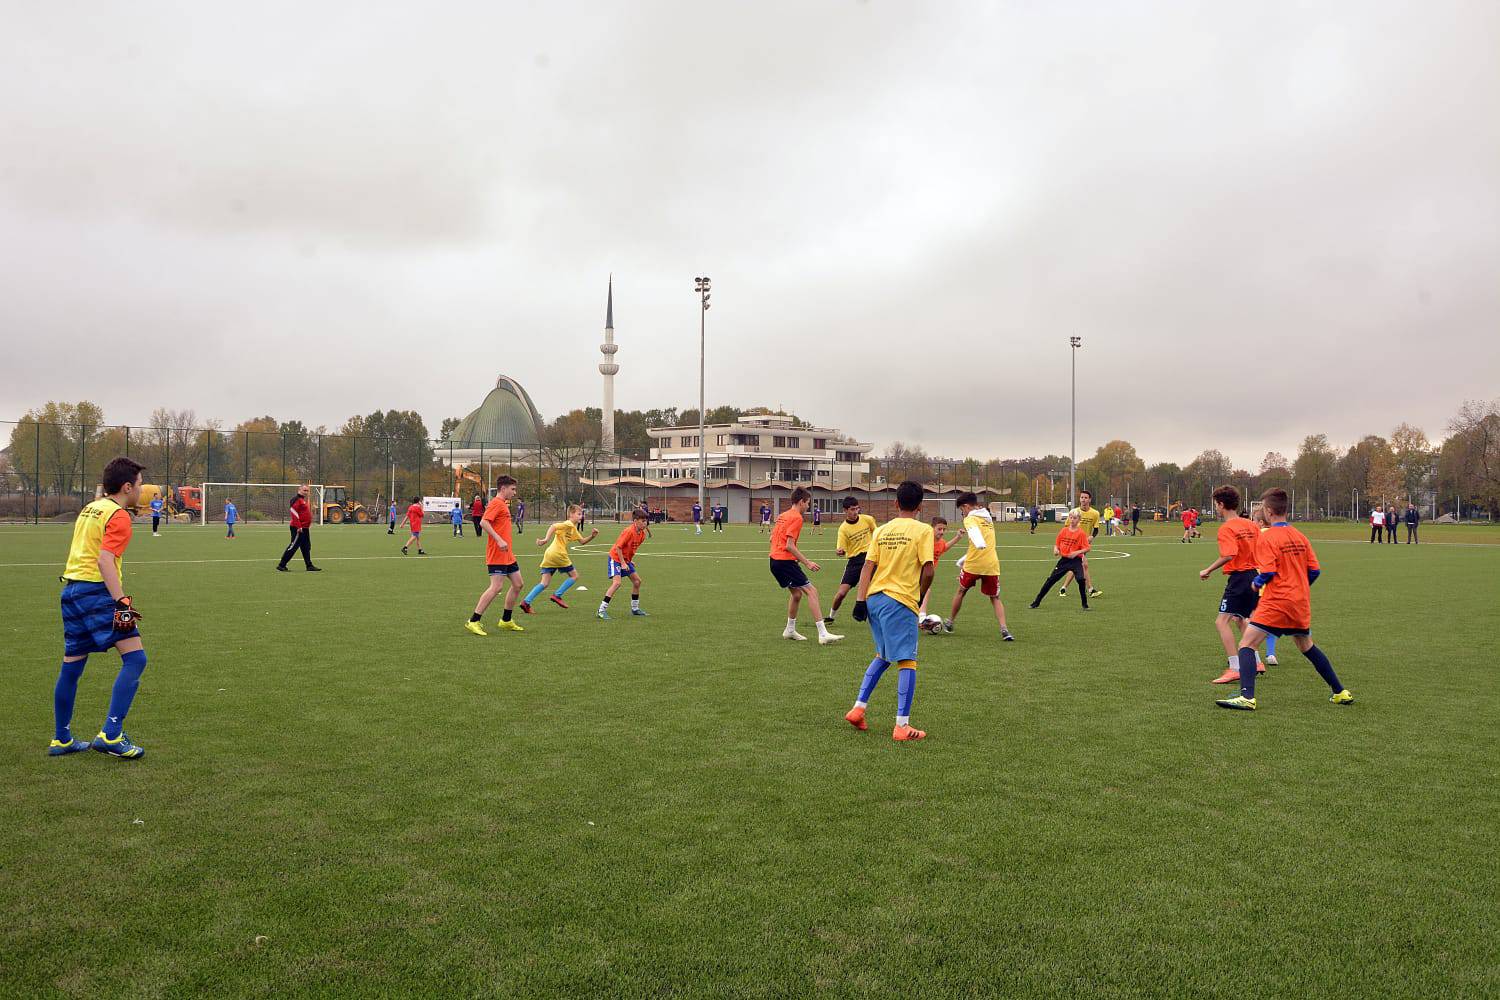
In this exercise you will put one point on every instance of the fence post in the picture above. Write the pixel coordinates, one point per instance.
(83, 460)
(320, 458)
(354, 470)
(421, 447)
(208, 471)
(282, 477)
(36, 482)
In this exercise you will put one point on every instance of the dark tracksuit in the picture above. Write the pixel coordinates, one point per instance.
(1412, 518)
(1390, 526)
(1135, 520)
(301, 535)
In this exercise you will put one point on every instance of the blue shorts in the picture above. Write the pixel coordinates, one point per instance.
(548, 570)
(503, 569)
(621, 569)
(88, 614)
(416, 532)
(894, 627)
(788, 573)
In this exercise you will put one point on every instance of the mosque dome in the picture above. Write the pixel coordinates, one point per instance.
(506, 417)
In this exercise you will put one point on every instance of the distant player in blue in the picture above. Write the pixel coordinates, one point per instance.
(521, 516)
(457, 516)
(697, 518)
(817, 520)
(231, 515)
(765, 518)
(156, 509)
(391, 515)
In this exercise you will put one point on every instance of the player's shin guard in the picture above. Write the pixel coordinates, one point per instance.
(906, 687)
(567, 585)
(1324, 668)
(531, 594)
(132, 665)
(873, 673)
(1247, 672)
(63, 696)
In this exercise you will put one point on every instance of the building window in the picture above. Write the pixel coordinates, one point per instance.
(787, 442)
(847, 456)
(819, 444)
(720, 440)
(822, 473)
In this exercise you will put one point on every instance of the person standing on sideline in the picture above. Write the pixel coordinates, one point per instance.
(697, 518)
(1135, 519)
(521, 517)
(817, 521)
(414, 515)
(1377, 524)
(1413, 517)
(1390, 524)
(156, 508)
(476, 514)
(98, 615)
(765, 518)
(457, 516)
(301, 524)
(718, 517)
(1034, 518)
(391, 518)
(231, 515)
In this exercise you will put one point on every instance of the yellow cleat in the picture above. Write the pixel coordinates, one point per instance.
(509, 626)
(476, 628)
(1239, 702)
(1344, 697)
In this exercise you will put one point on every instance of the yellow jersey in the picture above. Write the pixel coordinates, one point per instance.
(102, 526)
(564, 533)
(898, 550)
(854, 538)
(985, 561)
(1088, 520)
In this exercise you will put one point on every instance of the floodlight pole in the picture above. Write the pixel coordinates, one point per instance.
(1075, 343)
(702, 285)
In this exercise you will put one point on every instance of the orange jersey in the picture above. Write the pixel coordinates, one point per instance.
(939, 546)
(1285, 601)
(1072, 542)
(1237, 538)
(788, 529)
(497, 516)
(623, 551)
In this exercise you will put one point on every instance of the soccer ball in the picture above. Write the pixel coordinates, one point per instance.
(931, 624)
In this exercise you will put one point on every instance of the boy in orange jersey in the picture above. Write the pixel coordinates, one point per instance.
(500, 559)
(622, 565)
(940, 544)
(1286, 567)
(787, 562)
(1237, 538)
(1072, 542)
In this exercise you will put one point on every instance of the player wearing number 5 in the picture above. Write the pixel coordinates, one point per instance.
(98, 616)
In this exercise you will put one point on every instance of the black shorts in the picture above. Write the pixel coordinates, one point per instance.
(852, 569)
(788, 573)
(1280, 632)
(1240, 597)
(505, 569)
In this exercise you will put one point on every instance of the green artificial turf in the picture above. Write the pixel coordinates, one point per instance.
(346, 794)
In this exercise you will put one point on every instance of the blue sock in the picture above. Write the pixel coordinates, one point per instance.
(132, 665)
(906, 686)
(531, 594)
(1247, 672)
(567, 585)
(63, 696)
(1270, 644)
(872, 677)
(1324, 668)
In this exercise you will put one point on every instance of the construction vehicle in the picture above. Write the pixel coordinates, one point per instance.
(339, 507)
(175, 500)
(461, 476)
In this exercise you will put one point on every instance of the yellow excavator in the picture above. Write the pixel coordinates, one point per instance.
(339, 507)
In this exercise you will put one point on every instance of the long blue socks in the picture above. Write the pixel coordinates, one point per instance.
(872, 677)
(132, 665)
(531, 594)
(63, 696)
(567, 585)
(906, 686)
(1324, 668)
(1270, 644)
(1247, 672)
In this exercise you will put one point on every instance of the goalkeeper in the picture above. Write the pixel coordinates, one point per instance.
(98, 616)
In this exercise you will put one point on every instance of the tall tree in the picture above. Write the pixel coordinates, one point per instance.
(1414, 458)
(1470, 465)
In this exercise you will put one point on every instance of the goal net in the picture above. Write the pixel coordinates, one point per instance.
(267, 503)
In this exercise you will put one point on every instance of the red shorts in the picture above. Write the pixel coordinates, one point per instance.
(989, 585)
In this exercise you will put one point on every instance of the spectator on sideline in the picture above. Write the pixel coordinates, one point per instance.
(391, 516)
(1390, 524)
(1034, 518)
(1135, 519)
(1377, 524)
(1413, 517)
(521, 517)
(476, 513)
(301, 524)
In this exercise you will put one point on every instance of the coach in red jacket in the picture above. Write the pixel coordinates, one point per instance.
(301, 522)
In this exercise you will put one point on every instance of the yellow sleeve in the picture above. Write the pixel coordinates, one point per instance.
(925, 546)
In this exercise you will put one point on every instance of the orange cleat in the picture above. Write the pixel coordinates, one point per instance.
(558, 601)
(1227, 677)
(525, 607)
(902, 734)
(856, 718)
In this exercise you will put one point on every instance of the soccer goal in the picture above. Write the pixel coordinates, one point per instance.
(262, 502)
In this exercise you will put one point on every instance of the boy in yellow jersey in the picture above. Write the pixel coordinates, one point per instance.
(895, 579)
(855, 531)
(1088, 523)
(556, 559)
(98, 615)
(980, 564)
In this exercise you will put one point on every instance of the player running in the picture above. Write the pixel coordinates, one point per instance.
(1237, 538)
(852, 542)
(500, 559)
(556, 559)
(787, 562)
(98, 615)
(895, 579)
(622, 564)
(980, 564)
(413, 516)
(1088, 523)
(1069, 546)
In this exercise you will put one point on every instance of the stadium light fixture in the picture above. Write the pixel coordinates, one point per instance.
(1075, 343)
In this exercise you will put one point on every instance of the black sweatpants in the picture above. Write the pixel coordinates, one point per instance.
(301, 542)
(1411, 533)
(1390, 533)
(1071, 564)
(477, 529)
(1375, 530)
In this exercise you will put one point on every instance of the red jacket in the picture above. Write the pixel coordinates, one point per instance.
(301, 513)
(478, 509)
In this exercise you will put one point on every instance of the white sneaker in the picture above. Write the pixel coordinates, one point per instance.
(793, 634)
(828, 639)
(1271, 662)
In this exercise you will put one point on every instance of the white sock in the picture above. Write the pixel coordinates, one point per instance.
(861, 704)
(903, 720)
(822, 628)
(1234, 663)
(791, 624)
(635, 603)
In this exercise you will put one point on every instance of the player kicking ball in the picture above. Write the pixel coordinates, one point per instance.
(1236, 539)
(98, 616)
(1286, 567)
(980, 564)
(622, 565)
(500, 560)
(896, 577)
(557, 559)
(787, 562)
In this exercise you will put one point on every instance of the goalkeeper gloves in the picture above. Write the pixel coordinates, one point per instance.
(861, 611)
(125, 615)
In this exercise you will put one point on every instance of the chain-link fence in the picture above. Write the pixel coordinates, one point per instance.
(49, 470)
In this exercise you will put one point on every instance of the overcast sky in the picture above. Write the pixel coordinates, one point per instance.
(1265, 220)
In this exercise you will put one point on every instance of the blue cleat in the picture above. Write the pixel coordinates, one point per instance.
(120, 747)
(638, 613)
(60, 749)
(603, 615)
